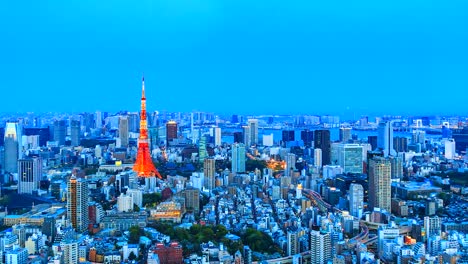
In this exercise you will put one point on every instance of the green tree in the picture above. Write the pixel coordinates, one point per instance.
(132, 256)
(135, 233)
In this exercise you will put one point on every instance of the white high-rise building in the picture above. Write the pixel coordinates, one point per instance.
(320, 247)
(356, 200)
(137, 196)
(318, 157)
(432, 225)
(385, 138)
(209, 170)
(253, 127)
(29, 174)
(238, 158)
(246, 133)
(70, 251)
(290, 164)
(123, 131)
(450, 149)
(268, 140)
(217, 136)
(124, 203)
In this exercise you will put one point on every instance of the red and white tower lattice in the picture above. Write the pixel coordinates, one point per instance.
(144, 165)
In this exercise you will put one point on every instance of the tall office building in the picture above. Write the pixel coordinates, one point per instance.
(380, 183)
(450, 150)
(253, 127)
(322, 141)
(400, 144)
(345, 134)
(29, 174)
(290, 164)
(171, 131)
(356, 200)
(320, 247)
(98, 120)
(217, 136)
(318, 158)
(372, 140)
(293, 241)
(75, 131)
(192, 199)
(385, 138)
(350, 158)
(60, 131)
(12, 147)
(77, 203)
(246, 136)
(287, 135)
(238, 158)
(386, 234)
(209, 170)
(238, 138)
(123, 131)
(397, 168)
(308, 137)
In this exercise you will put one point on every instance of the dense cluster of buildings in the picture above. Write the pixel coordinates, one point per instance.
(323, 190)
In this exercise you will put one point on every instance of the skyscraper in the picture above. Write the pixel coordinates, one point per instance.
(171, 131)
(322, 141)
(238, 158)
(345, 134)
(290, 164)
(308, 137)
(217, 136)
(29, 174)
(350, 158)
(287, 135)
(77, 203)
(192, 199)
(209, 170)
(318, 158)
(246, 134)
(60, 131)
(356, 200)
(11, 147)
(75, 131)
(372, 140)
(238, 138)
(253, 127)
(380, 183)
(320, 247)
(123, 131)
(144, 165)
(432, 225)
(385, 138)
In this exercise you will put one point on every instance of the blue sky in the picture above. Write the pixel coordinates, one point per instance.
(235, 56)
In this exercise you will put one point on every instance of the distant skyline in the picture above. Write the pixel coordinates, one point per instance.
(246, 57)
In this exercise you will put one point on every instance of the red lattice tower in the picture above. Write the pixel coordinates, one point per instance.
(144, 165)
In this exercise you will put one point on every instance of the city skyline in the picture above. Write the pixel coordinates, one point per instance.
(210, 57)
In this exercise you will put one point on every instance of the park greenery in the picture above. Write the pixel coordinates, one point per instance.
(191, 239)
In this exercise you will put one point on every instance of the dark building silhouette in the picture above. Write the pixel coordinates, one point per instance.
(2, 139)
(400, 144)
(238, 137)
(171, 131)
(322, 141)
(308, 137)
(461, 138)
(287, 135)
(372, 140)
(42, 132)
(75, 128)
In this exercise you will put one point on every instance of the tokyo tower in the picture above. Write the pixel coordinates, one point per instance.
(144, 165)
